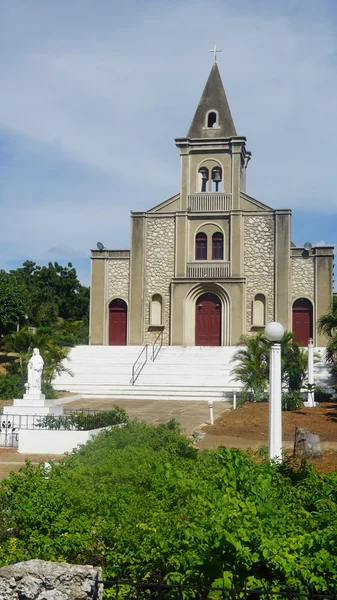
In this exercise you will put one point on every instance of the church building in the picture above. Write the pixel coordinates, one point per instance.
(210, 263)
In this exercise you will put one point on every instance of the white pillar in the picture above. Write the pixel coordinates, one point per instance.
(275, 407)
(234, 399)
(311, 394)
(211, 417)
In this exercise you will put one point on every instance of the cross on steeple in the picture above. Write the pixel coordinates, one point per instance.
(215, 50)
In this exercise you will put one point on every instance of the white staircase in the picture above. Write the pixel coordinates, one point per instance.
(322, 373)
(178, 373)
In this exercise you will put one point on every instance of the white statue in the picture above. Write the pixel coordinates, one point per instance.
(35, 368)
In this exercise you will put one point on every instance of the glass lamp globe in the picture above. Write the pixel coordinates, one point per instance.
(274, 331)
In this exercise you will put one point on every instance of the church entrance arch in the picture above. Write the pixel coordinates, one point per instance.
(302, 321)
(117, 322)
(208, 320)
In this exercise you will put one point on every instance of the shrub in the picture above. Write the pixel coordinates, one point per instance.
(11, 386)
(82, 421)
(291, 401)
(141, 502)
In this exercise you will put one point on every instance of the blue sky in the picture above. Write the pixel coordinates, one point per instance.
(93, 94)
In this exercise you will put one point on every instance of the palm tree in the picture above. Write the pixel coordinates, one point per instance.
(252, 363)
(22, 344)
(327, 324)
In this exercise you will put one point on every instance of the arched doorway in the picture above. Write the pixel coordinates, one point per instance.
(208, 320)
(302, 321)
(117, 322)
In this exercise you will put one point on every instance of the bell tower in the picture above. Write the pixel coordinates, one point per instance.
(213, 157)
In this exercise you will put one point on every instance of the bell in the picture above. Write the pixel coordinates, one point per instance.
(204, 175)
(216, 175)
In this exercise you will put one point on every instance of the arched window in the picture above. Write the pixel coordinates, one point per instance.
(211, 119)
(217, 246)
(156, 310)
(204, 178)
(201, 246)
(259, 311)
(216, 178)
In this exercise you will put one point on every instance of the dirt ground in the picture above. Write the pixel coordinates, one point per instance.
(249, 424)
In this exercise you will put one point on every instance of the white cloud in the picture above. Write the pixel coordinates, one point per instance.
(92, 98)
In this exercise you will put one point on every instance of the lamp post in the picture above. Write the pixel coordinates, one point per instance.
(211, 417)
(311, 394)
(274, 333)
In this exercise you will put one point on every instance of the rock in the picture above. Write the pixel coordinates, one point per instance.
(198, 435)
(41, 580)
(306, 444)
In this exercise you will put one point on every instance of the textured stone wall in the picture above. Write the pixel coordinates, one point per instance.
(41, 580)
(259, 262)
(160, 241)
(302, 278)
(118, 278)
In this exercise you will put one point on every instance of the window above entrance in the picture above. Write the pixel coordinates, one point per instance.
(201, 246)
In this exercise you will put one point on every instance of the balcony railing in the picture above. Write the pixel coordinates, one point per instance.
(207, 269)
(204, 202)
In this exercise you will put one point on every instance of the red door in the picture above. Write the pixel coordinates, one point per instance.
(302, 321)
(208, 321)
(117, 323)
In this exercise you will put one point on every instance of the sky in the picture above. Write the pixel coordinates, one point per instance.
(93, 93)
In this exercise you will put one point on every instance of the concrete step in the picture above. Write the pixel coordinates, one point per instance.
(178, 372)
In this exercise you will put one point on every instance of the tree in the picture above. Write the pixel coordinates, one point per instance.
(14, 301)
(327, 324)
(54, 291)
(22, 344)
(252, 363)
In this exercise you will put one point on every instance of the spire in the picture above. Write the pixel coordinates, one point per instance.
(213, 99)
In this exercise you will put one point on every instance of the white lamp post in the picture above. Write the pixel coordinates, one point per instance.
(274, 333)
(311, 394)
(211, 416)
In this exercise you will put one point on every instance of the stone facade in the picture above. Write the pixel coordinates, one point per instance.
(259, 262)
(302, 278)
(118, 278)
(159, 269)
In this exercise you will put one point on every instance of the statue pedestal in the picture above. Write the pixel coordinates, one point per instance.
(25, 412)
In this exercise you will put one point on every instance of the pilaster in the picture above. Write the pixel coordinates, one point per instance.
(282, 293)
(137, 278)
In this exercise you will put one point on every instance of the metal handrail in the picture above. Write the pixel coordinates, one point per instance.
(155, 351)
(137, 368)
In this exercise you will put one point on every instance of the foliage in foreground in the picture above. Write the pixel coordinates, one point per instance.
(140, 500)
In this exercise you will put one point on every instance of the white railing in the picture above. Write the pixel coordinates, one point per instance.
(199, 270)
(204, 202)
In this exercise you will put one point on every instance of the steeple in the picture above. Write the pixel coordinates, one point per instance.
(213, 117)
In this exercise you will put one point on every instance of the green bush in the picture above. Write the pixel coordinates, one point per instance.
(291, 401)
(82, 421)
(140, 501)
(11, 386)
(322, 396)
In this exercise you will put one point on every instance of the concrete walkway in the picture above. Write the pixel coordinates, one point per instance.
(13, 462)
(189, 414)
